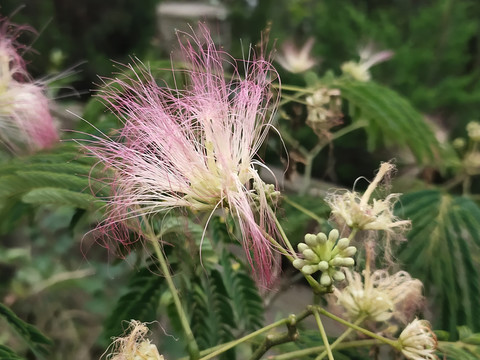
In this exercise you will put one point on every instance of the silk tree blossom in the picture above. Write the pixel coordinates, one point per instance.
(134, 345)
(25, 119)
(379, 296)
(193, 148)
(297, 60)
(357, 212)
(418, 341)
(368, 58)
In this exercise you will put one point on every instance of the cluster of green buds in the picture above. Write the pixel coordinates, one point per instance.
(473, 130)
(325, 254)
(271, 194)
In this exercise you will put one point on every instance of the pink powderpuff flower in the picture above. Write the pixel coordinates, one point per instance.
(25, 120)
(193, 148)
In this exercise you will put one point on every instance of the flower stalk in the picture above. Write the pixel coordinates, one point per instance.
(192, 346)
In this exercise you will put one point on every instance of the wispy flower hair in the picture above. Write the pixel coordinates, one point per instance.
(25, 119)
(193, 148)
(380, 296)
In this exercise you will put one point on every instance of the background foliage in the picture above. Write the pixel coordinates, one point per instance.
(83, 295)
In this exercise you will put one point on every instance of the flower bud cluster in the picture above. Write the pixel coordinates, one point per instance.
(473, 130)
(325, 254)
(271, 195)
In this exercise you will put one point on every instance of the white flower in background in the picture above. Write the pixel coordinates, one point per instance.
(418, 342)
(368, 58)
(473, 130)
(296, 60)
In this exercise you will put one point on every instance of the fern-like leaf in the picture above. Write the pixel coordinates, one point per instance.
(442, 250)
(467, 347)
(35, 340)
(211, 318)
(140, 302)
(391, 119)
(8, 354)
(246, 301)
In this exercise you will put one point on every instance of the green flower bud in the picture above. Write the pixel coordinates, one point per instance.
(302, 247)
(310, 255)
(323, 265)
(349, 251)
(322, 238)
(309, 269)
(333, 236)
(343, 243)
(299, 263)
(339, 261)
(338, 276)
(325, 279)
(310, 238)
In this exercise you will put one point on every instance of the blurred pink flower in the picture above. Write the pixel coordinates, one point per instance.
(368, 57)
(25, 120)
(193, 148)
(294, 59)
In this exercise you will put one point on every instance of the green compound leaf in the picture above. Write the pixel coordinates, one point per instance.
(61, 177)
(140, 302)
(466, 348)
(35, 340)
(211, 318)
(51, 195)
(8, 354)
(391, 119)
(443, 249)
(247, 303)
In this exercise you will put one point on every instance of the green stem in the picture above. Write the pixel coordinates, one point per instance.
(352, 234)
(277, 339)
(217, 350)
(282, 233)
(317, 288)
(307, 175)
(393, 343)
(313, 153)
(294, 88)
(323, 333)
(349, 128)
(192, 344)
(298, 354)
(340, 339)
(302, 209)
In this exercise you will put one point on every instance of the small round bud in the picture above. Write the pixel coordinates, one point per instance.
(299, 263)
(311, 240)
(338, 276)
(322, 238)
(310, 255)
(309, 269)
(325, 279)
(302, 247)
(339, 261)
(349, 251)
(343, 243)
(323, 265)
(333, 236)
